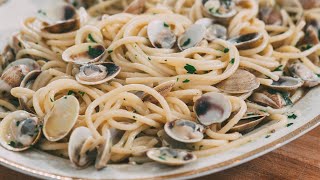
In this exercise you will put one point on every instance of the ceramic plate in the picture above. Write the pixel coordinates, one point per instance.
(43, 165)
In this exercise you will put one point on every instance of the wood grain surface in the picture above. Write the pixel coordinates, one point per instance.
(299, 159)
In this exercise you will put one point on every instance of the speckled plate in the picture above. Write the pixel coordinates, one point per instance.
(43, 165)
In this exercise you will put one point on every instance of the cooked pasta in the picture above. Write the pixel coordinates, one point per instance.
(119, 81)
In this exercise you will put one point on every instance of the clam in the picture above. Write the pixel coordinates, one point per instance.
(84, 53)
(59, 18)
(309, 4)
(136, 7)
(247, 41)
(191, 37)
(167, 141)
(220, 9)
(30, 63)
(83, 3)
(171, 157)
(213, 31)
(163, 89)
(212, 108)
(270, 15)
(79, 150)
(184, 131)
(104, 150)
(12, 77)
(241, 81)
(19, 131)
(286, 83)
(269, 98)
(160, 35)
(92, 74)
(251, 119)
(7, 55)
(301, 71)
(27, 82)
(61, 118)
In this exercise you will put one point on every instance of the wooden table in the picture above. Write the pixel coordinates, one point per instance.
(299, 159)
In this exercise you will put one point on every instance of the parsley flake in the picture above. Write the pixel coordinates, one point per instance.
(232, 61)
(267, 136)
(81, 93)
(177, 79)
(226, 50)
(187, 42)
(149, 58)
(91, 38)
(186, 81)
(17, 123)
(292, 116)
(165, 25)
(279, 68)
(289, 124)
(51, 100)
(70, 92)
(95, 51)
(110, 51)
(190, 69)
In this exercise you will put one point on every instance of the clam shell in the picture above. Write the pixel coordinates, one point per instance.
(212, 108)
(12, 77)
(61, 119)
(30, 63)
(213, 31)
(167, 141)
(241, 81)
(212, 7)
(84, 53)
(184, 131)
(267, 99)
(160, 35)
(191, 37)
(286, 83)
(247, 41)
(304, 73)
(10, 123)
(163, 89)
(171, 157)
(111, 71)
(104, 150)
(135, 7)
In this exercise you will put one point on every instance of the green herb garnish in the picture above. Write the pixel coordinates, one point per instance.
(94, 52)
(91, 38)
(161, 157)
(149, 58)
(81, 93)
(165, 25)
(75, 3)
(308, 46)
(267, 136)
(12, 144)
(70, 92)
(17, 123)
(285, 96)
(177, 79)
(186, 81)
(190, 69)
(110, 51)
(279, 68)
(232, 61)
(226, 50)
(51, 100)
(289, 124)
(292, 116)
(187, 42)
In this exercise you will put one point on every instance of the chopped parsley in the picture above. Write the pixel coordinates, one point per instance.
(19, 44)
(82, 93)
(17, 123)
(190, 69)
(289, 124)
(279, 68)
(110, 51)
(75, 3)
(177, 79)
(306, 47)
(232, 61)
(51, 100)
(42, 12)
(70, 92)
(134, 116)
(186, 81)
(161, 157)
(226, 50)
(91, 38)
(12, 144)
(187, 42)
(285, 96)
(95, 52)
(149, 58)
(318, 75)
(165, 24)
(250, 114)
(262, 110)
(292, 116)
(267, 136)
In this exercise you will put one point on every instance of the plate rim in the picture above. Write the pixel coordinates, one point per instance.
(189, 174)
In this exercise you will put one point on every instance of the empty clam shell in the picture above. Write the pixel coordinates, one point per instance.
(286, 83)
(61, 119)
(92, 74)
(160, 35)
(184, 131)
(163, 89)
(12, 77)
(241, 81)
(104, 150)
(171, 157)
(79, 153)
(251, 119)
(59, 18)
(213, 31)
(301, 71)
(220, 9)
(212, 108)
(247, 41)
(84, 53)
(265, 98)
(19, 131)
(191, 37)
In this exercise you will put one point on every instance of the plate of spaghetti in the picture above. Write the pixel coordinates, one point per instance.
(139, 89)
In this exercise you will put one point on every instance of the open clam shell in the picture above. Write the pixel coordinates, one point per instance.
(286, 83)
(213, 30)
(19, 131)
(61, 119)
(265, 98)
(247, 41)
(167, 141)
(212, 108)
(160, 35)
(98, 73)
(84, 53)
(171, 157)
(252, 118)
(163, 88)
(12, 77)
(301, 71)
(270, 15)
(191, 37)
(220, 9)
(184, 131)
(30, 63)
(79, 153)
(241, 81)
(104, 150)
(59, 18)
